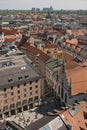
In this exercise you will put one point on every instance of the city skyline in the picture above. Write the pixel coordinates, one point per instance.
(56, 4)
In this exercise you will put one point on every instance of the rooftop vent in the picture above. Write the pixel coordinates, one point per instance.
(23, 68)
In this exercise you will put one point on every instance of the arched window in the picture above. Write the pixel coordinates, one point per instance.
(65, 97)
(59, 90)
(62, 93)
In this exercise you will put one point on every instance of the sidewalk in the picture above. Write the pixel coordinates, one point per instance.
(25, 118)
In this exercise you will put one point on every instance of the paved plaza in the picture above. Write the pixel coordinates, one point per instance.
(25, 118)
(30, 117)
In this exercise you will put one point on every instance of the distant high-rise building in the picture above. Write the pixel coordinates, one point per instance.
(33, 9)
(51, 8)
(48, 9)
(37, 9)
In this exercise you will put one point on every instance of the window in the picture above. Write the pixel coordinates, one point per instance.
(85, 115)
(18, 86)
(30, 88)
(36, 98)
(11, 87)
(5, 108)
(24, 95)
(26, 76)
(18, 91)
(5, 101)
(18, 97)
(10, 80)
(30, 93)
(30, 99)
(24, 102)
(4, 89)
(48, 52)
(30, 82)
(62, 93)
(18, 104)
(59, 90)
(36, 86)
(19, 78)
(36, 91)
(24, 84)
(76, 101)
(36, 81)
(12, 99)
(12, 105)
(65, 97)
(84, 99)
(5, 95)
(62, 83)
(24, 89)
(12, 93)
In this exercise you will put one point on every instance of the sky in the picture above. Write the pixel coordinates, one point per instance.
(56, 4)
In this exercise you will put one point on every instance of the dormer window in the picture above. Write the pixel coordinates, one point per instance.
(26, 76)
(48, 52)
(19, 78)
(10, 80)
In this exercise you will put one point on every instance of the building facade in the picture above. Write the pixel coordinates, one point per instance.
(2, 39)
(71, 87)
(20, 85)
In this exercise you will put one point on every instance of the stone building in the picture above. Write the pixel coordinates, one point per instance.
(20, 85)
(72, 82)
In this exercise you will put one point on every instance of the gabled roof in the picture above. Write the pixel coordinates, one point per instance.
(79, 80)
(70, 64)
(44, 57)
(77, 74)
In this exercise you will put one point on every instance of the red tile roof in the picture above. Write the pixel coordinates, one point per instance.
(77, 121)
(10, 38)
(9, 31)
(70, 64)
(77, 32)
(73, 41)
(79, 80)
(51, 31)
(77, 74)
(49, 45)
(44, 57)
